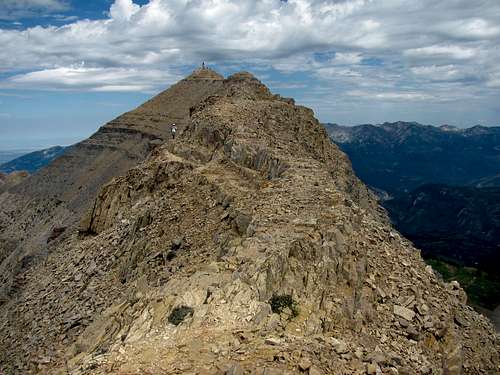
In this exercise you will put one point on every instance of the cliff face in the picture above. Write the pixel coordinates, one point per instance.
(247, 245)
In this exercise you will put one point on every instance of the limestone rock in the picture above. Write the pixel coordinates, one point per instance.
(404, 313)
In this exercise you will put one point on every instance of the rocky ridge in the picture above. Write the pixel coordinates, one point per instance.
(176, 266)
(58, 195)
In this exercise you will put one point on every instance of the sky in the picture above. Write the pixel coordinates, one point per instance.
(69, 66)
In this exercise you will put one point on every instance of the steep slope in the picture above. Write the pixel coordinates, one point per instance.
(460, 223)
(32, 161)
(179, 264)
(457, 224)
(399, 157)
(449, 223)
(59, 194)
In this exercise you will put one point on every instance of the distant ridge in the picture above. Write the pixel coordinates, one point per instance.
(400, 156)
(32, 161)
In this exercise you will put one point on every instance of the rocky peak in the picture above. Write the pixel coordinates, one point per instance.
(242, 76)
(245, 245)
(204, 74)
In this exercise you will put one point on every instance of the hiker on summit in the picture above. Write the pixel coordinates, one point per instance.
(173, 130)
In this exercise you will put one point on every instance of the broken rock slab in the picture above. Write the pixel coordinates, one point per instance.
(404, 313)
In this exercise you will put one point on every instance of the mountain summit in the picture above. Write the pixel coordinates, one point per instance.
(245, 245)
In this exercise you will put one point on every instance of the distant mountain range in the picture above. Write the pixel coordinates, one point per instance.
(399, 157)
(441, 188)
(32, 161)
(8, 155)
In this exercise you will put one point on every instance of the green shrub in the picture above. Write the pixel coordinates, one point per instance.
(281, 302)
(180, 313)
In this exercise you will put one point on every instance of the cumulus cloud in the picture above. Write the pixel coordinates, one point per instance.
(123, 10)
(363, 46)
(92, 79)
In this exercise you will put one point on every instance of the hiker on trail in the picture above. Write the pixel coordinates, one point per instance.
(173, 130)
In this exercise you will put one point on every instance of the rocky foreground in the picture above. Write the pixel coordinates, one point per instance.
(245, 246)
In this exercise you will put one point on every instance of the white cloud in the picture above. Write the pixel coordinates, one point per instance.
(374, 46)
(350, 58)
(449, 51)
(392, 96)
(475, 28)
(445, 73)
(123, 10)
(92, 79)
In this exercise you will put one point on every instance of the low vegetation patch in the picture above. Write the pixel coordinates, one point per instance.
(482, 288)
(180, 313)
(281, 302)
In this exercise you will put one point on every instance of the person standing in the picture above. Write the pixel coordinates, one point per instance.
(173, 130)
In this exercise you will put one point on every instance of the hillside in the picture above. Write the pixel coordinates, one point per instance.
(408, 164)
(460, 223)
(59, 194)
(9, 180)
(245, 245)
(399, 157)
(8, 155)
(33, 161)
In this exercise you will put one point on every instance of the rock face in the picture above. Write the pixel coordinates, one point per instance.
(177, 265)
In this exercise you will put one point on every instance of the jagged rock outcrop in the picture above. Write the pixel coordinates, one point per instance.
(178, 265)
